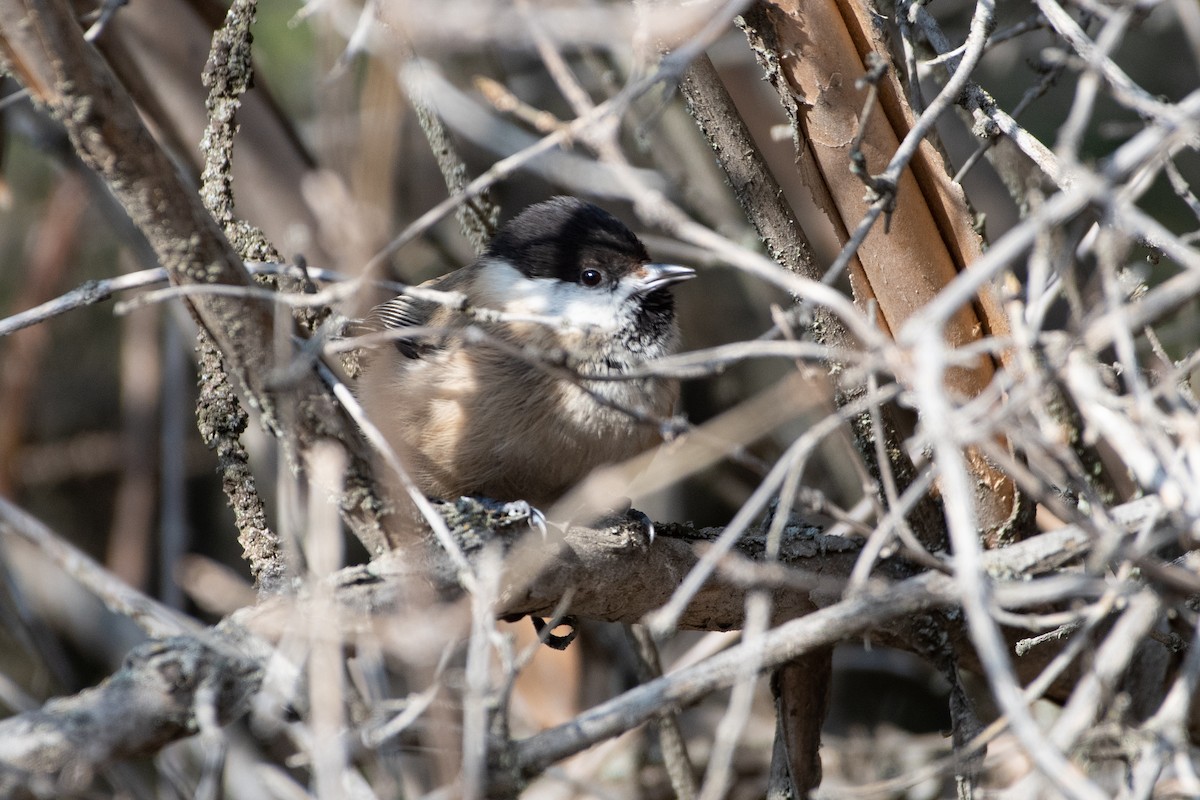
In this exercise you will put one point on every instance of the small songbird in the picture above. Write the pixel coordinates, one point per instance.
(512, 414)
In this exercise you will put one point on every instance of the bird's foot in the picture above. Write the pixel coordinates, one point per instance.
(521, 511)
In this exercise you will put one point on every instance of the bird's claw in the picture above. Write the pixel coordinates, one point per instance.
(646, 523)
(521, 510)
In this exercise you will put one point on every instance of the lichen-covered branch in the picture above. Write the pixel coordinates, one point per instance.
(46, 51)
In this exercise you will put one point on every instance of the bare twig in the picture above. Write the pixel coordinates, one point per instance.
(46, 48)
(679, 766)
(153, 617)
(148, 703)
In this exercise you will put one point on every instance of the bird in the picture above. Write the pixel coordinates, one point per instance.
(520, 401)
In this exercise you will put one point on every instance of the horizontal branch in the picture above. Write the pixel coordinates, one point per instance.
(848, 619)
(612, 573)
(148, 703)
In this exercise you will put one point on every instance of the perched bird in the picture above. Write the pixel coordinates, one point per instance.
(512, 414)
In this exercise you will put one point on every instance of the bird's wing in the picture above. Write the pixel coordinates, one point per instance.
(398, 313)
(403, 312)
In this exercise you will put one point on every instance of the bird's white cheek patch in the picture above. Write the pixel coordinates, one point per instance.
(504, 288)
(582, 307)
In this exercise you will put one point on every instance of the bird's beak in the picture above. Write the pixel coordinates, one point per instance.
(656, 276)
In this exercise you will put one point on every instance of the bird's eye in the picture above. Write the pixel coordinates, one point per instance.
(591, 277)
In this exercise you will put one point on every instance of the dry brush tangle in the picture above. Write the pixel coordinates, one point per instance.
(971, 444)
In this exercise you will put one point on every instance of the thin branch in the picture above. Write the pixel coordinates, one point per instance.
(670, 735)
(151, 701)
(754, 186)
(46, 48)
(1055, 212)
(150, 615)
(781, 644)
(984, 107)
(974, 585)
(588, 565)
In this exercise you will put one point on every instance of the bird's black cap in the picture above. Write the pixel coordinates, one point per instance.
(564, 236)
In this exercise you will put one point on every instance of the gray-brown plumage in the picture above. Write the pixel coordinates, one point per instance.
(469, 417)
